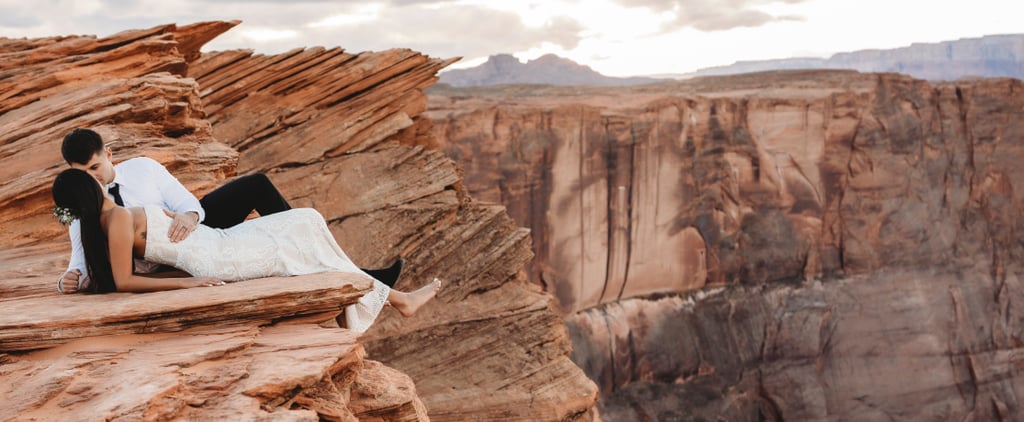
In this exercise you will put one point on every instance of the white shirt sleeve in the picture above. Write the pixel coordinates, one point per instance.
(176, 197)
(77, 261)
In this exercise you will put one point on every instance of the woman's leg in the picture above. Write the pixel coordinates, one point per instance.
(409, 303)
(359, 316)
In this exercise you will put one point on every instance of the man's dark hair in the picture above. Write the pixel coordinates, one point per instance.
(81, 145)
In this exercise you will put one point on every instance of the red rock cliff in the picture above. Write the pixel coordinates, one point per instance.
(911, 190)
(773, 177)
(337, 131)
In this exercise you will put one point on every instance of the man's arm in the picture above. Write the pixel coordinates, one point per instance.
(175, 196)
(75, 277)
(186, 211)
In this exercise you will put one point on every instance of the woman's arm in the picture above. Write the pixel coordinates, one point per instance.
(120, 236)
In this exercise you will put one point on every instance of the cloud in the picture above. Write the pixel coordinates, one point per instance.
(16, 16)
(439, 29)
(713, 15)
(17, 20)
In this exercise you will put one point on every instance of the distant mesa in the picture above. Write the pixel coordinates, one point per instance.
(986, 57)
(505, 69)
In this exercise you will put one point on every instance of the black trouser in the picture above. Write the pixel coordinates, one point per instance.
(230, 204)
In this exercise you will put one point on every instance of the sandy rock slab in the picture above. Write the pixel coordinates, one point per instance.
(214, 373)
(34, 322)
(265, 349)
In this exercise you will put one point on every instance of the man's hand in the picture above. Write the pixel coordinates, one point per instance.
(183, 225)
(68, 282)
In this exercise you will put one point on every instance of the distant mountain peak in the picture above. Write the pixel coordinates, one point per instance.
(549, 69)
(504, 59)
(552, 57)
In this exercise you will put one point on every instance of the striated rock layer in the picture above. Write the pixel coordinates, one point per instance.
(336, 131)
(754, 180)
(343, 133)
(942, 344)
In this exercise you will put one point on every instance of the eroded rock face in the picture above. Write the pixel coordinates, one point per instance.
(337, 131)
(907, 344)
(128, 86)
(819, 204)
(489, 346)
(746, 179)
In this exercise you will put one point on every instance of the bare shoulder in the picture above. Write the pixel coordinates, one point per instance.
(119, 219)
(120, 212)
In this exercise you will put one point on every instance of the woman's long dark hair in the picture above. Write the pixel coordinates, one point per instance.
(79, 192)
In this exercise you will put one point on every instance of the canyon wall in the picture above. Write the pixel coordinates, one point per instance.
(338, 131)
(749, 179)
(803, 197)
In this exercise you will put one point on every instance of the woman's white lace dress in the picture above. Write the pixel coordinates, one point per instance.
(293, 242)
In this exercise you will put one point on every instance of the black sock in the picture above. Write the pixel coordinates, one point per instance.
(389, 275)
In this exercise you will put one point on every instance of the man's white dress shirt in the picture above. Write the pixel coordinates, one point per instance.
(142, 181)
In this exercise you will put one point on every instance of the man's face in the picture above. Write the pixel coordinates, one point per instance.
(99, 166)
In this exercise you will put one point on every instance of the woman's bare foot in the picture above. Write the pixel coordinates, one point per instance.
(409, 303)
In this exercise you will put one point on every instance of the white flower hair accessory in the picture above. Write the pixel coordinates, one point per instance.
(64, 215)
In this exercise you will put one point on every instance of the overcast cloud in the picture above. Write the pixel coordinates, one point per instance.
(617, 37)
(713, 15)
(445, 31)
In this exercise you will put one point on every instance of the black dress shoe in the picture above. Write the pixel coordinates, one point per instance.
(388, 275)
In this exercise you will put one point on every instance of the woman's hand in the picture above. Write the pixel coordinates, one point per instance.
(203, 282)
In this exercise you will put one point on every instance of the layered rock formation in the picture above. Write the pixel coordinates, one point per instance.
(776, 188)
(336, 131)
(940, 344)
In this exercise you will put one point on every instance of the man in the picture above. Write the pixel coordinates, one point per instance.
(143, 181)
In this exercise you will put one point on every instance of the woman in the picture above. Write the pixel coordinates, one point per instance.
(292, 242)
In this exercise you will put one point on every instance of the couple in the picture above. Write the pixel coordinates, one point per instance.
(163, 227)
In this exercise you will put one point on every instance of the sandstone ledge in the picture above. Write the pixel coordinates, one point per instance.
(336, 131)
(212, 373)
(41, 322)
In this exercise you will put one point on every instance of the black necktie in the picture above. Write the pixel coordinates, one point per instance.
(116, 191)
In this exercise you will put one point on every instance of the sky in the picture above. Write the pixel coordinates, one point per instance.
(614, 37)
